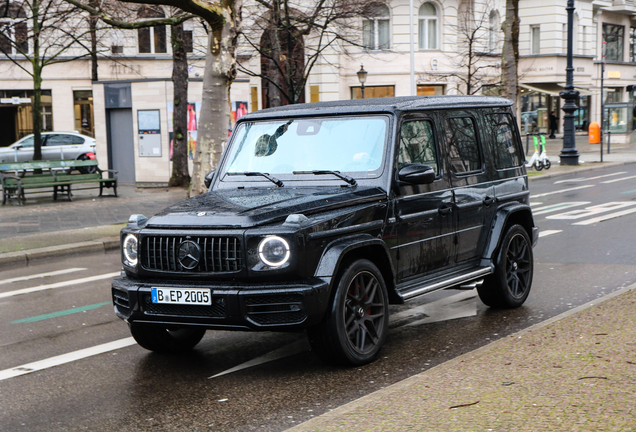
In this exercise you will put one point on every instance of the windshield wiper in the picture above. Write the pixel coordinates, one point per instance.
(344, 177)
(255, 173)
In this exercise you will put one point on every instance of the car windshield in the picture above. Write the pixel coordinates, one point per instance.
(354, 145)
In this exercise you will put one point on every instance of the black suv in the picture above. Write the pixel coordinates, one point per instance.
(321, 215)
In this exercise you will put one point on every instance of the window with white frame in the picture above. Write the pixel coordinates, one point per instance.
(493, 30)
(14, 37)
(116, 41)
(535, 39)
(188, 32)
(152, 40)
(427, 30)
(376, 27)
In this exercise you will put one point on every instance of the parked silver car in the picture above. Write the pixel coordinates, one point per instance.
(55, 146)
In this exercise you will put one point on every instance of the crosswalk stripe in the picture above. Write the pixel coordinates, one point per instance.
(59, 284)
(606, 217)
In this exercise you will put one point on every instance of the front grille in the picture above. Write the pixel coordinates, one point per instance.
(217, 310)
(218, 254)
(121, 301)
(278, 309)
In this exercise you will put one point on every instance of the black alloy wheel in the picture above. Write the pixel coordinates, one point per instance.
(355, 327)
(509, 285)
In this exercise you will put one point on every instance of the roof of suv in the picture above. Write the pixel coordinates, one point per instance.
(403, 103)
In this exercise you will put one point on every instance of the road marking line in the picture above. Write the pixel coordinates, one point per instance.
(561, 191)
(631, 191)
(60, 313)
(590, 178)
(41, 275)
(549, 232)
(555, 207)
(619, 179)
(606, 217)
(534, 204)
(593, 210)
(59, 284)
(65, 358)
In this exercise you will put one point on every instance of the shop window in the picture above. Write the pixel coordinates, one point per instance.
(254, 97)
(372, 92)
(535, 39)
(376, 27)
(13, 31)
(83, 104)
(461, 137)
(417, 144)
(430, 90)
(314, 93)
(632, 44)
(427, 30)
(612, 95)
(152, 40)
(613, 36)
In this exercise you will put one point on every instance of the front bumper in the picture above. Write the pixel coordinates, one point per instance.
(283, 306)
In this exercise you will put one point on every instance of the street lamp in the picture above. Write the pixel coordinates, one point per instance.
(569, 155)
(362, 77)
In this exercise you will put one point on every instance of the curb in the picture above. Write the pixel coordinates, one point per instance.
(24, 258)
(343, 410)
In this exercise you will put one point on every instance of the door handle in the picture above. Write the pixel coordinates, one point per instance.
(488, 201)
(445, 209)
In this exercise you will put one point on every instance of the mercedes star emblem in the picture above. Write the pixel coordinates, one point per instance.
(189, 254)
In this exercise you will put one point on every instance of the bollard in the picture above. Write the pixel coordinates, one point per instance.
(609, 137)
(527, 143)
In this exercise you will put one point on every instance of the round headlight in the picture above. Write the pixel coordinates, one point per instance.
(130, 249)
(273, 251)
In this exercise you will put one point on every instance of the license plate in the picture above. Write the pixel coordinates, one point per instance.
(184, 296)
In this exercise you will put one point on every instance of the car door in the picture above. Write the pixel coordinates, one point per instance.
(423, 232)
(55, 146)
(25, 152)
(473, 191)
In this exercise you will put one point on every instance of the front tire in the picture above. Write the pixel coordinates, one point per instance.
(160, 339)
(538, 165)
(355, 327)
(547, 164)
(508, 287)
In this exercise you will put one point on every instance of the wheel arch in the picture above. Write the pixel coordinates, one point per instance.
(504, 218)
(342, 251)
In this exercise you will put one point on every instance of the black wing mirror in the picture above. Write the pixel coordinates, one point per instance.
(415, 173)
(207, 181)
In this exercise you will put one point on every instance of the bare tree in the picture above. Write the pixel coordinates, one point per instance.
(290, 37)
(35, 34)
(510, 58)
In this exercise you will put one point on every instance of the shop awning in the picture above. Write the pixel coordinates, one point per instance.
(552, 89)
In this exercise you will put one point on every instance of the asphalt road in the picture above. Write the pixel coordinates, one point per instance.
(264, 381)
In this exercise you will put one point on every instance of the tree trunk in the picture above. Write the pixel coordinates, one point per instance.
(220, 70)
(180, 175)
(511, 52)
(37, 83)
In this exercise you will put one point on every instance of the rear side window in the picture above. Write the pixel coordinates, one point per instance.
(461, 136)
(417, 144)
(56, 140)
(506, 152)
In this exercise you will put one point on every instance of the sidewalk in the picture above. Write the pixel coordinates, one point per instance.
(575, 372)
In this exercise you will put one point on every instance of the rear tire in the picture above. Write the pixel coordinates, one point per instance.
(547, 164)
(538, 165)
(355, 327)
(86, 170)
(160, 339)
(508, 287)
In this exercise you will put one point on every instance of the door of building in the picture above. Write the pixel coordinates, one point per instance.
(121, 150)
(7, 131)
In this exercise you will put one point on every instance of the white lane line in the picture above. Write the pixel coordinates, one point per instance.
(548, 232)
(59, 284)
(534, 204)
(65, 358)
(41, 275)
(619, 179)
(606, 217)
(555, 207)
(301, 345)
(561, 191)
(590, 178)
(593, 210)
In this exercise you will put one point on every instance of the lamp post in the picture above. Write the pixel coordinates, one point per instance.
(569, 154)
(362, 77)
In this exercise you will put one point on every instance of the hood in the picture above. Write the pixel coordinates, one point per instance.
(245, 208)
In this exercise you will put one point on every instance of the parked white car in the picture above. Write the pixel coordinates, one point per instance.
(55, 146)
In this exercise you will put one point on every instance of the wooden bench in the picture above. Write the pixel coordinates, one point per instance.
(19, 178)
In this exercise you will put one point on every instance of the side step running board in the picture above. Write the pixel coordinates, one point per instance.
(414, 290)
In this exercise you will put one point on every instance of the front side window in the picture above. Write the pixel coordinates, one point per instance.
(427, 30)
(13, 30)
(613, 36)
(461, 137)
(285, 147)
(152, 39)
(417, 144)
(376, 27)
(506, 152)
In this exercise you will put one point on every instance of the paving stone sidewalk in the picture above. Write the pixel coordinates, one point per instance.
(576, 372)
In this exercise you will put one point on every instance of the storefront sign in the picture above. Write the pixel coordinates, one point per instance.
(613, 74)
(15, 100)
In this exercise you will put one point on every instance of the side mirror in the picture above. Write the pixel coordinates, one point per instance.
(415, 173)
(207, 181)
